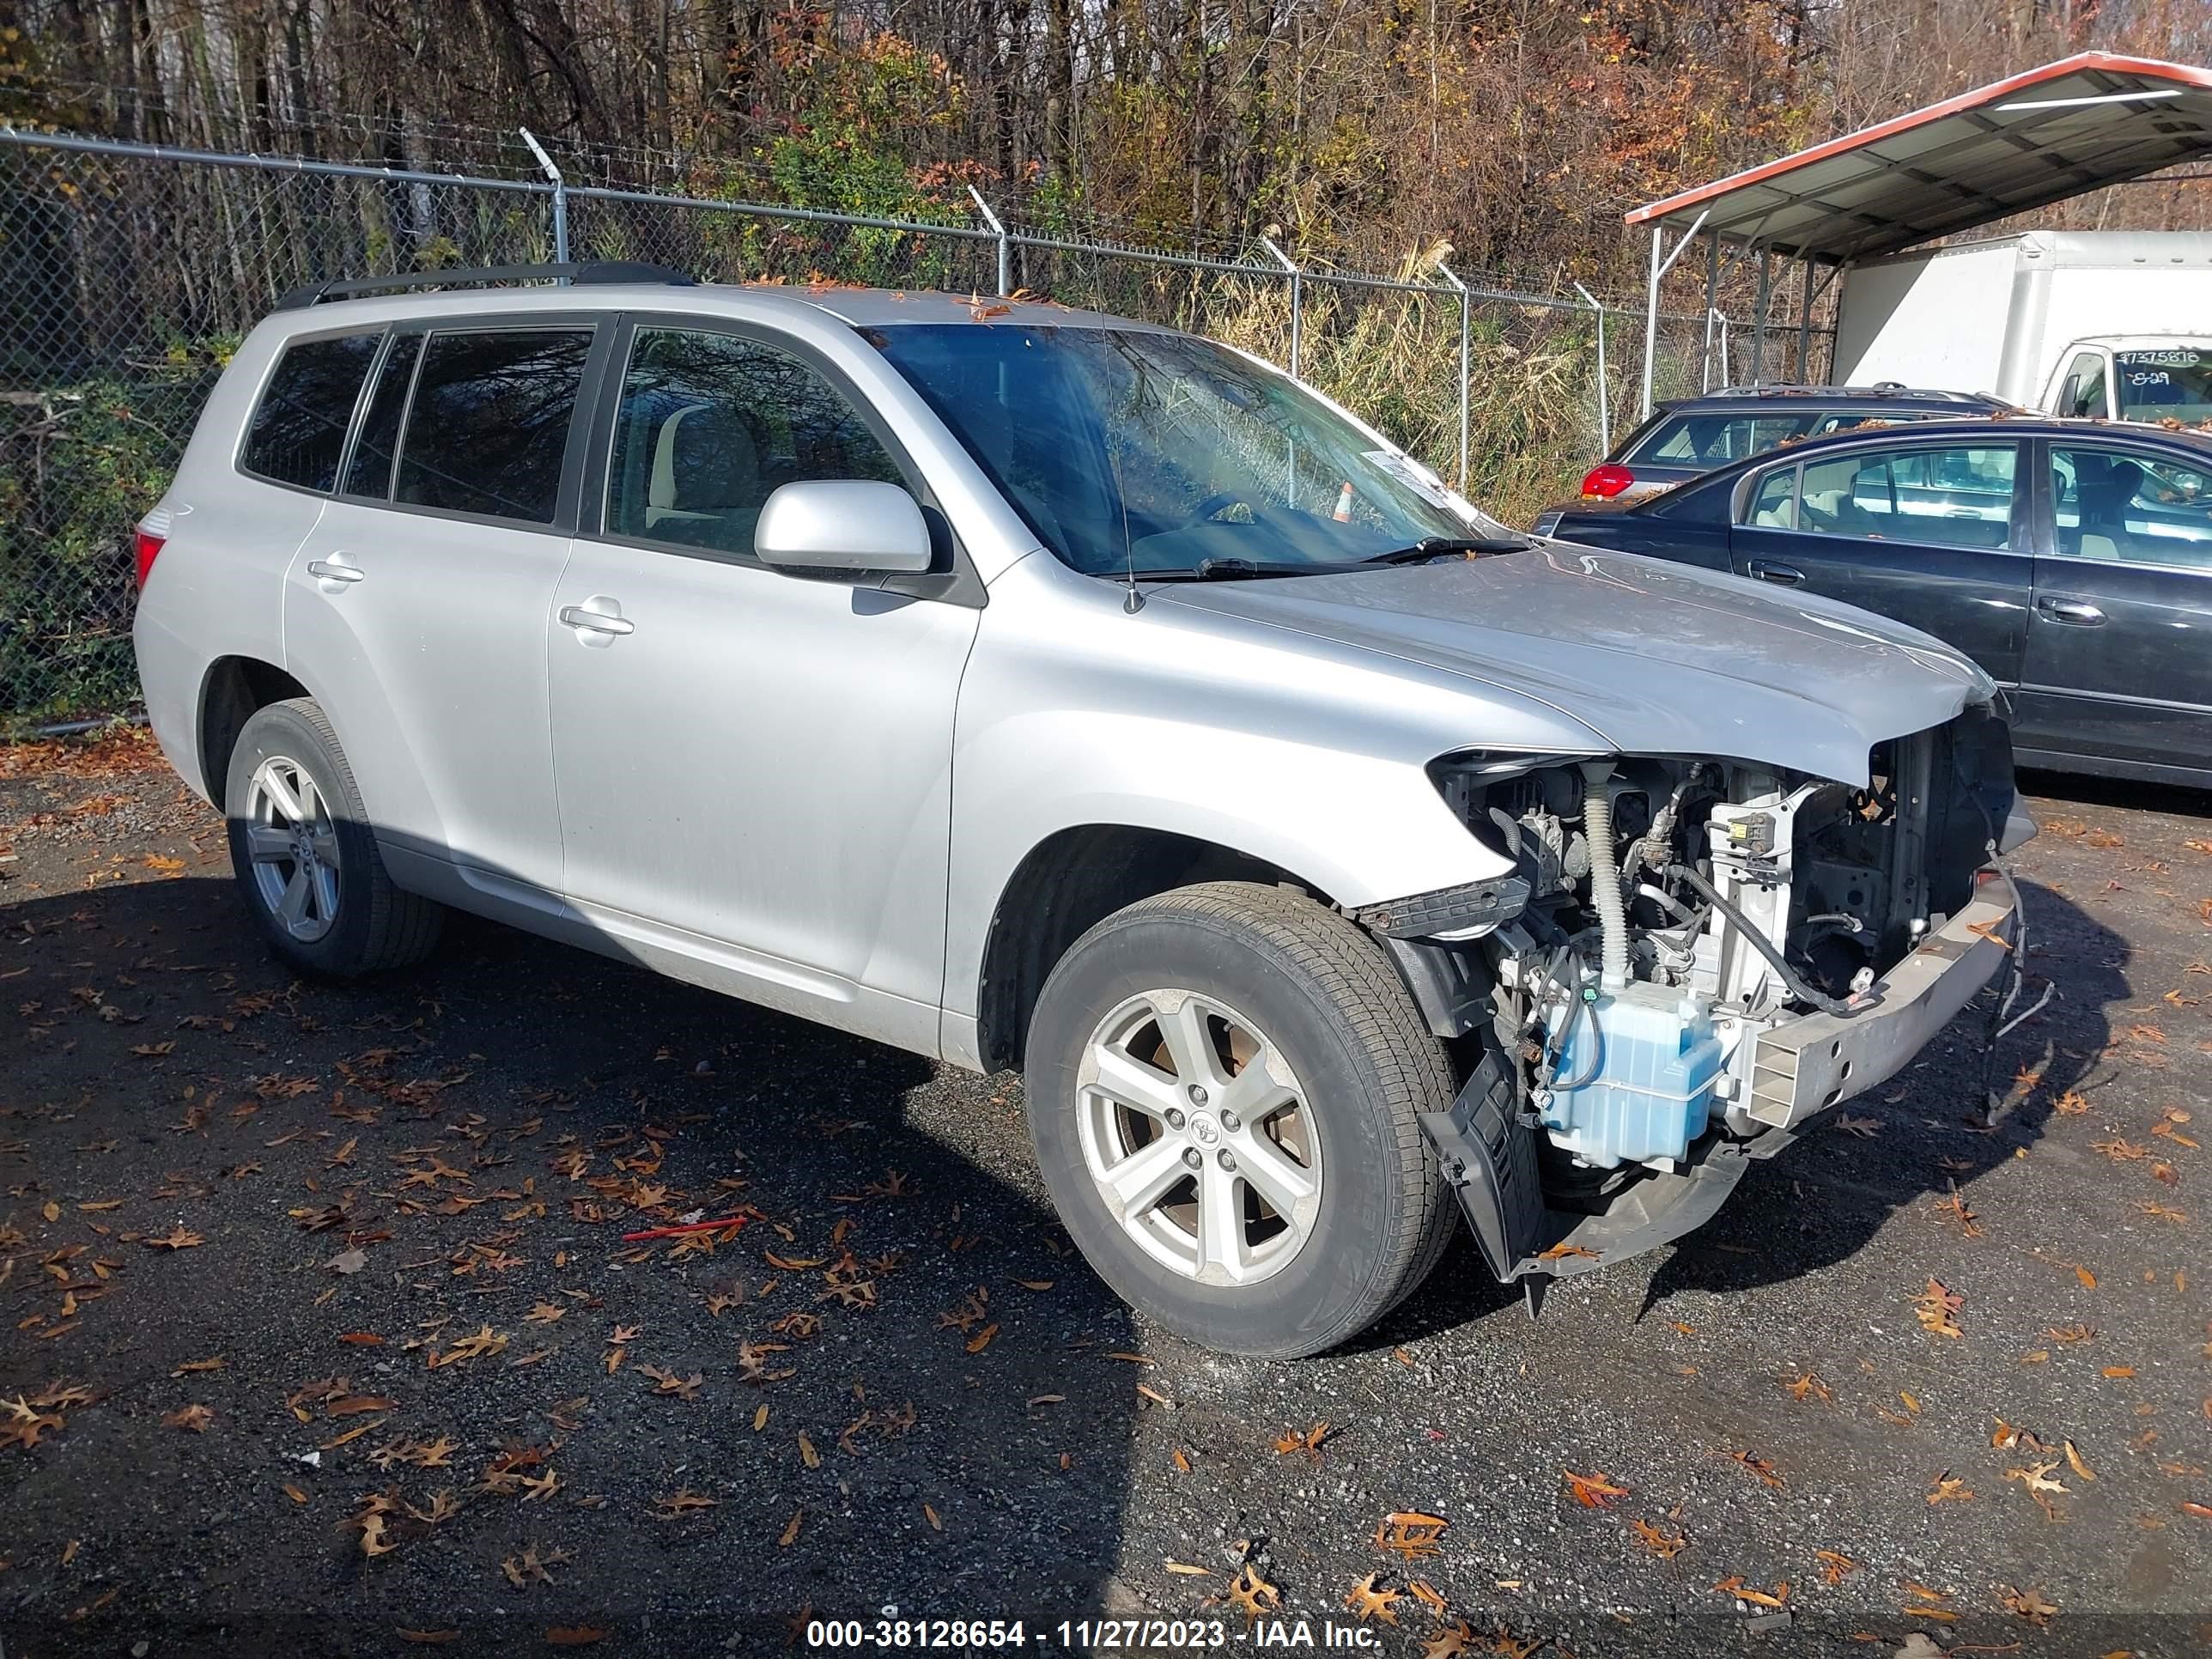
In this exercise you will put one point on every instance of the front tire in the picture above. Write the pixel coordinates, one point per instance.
(1225, 1089)
(306, 858)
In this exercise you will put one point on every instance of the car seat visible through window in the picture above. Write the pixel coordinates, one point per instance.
(706, 485)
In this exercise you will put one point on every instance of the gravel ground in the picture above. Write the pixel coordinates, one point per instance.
(325, 1337)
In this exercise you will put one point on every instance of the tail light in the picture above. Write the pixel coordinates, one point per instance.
(147, 540)
(1605, 482)
(148, 547)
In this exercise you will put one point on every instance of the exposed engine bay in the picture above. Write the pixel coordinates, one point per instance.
(1693, 956)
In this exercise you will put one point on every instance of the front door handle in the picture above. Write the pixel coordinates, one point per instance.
(2074, 613)
(1767, 571)
(335, 569)
(595, 622)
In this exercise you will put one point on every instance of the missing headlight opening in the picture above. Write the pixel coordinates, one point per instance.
(1691, 957)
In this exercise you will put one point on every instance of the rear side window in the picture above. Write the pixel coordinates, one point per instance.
(1707, 441)
(488, 427)
(300, 428)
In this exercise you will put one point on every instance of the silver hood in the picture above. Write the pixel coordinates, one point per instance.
(1655, 659)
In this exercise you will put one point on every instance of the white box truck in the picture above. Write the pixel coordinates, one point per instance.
(2094, 323)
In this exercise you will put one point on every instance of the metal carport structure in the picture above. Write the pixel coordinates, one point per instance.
(2046, 134)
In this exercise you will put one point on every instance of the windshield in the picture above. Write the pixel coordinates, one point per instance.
(1130, 450)
(2173, 384)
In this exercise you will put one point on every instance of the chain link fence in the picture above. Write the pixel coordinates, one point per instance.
(131, 272)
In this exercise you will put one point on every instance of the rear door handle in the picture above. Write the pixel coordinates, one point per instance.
(1767, 571)
(2074, 613)
(595, 622)
(327, 570)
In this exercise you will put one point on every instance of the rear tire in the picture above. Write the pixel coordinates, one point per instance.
(1335, 1209)
(306, 858)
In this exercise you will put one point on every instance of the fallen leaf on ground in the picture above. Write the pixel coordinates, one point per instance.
(2035, 1479)
(485, 1342)
(680, 1503)
(1659, 1540)
(1937, 1309)
(194, 1417)
(1759, 1466)
(679, 1387)
(1594, 1492)
(1410, 1535)
(2076, 1463)
(1367, 1601)
(1743, 1592)
(1948, 1488)
(1310, 1443)
(1835, 1566)
(1251, 1595)
(2029, 1604)
(178, 1238)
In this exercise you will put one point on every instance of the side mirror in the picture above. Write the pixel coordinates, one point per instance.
(842, 525)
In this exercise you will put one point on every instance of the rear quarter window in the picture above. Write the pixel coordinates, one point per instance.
(299, 428)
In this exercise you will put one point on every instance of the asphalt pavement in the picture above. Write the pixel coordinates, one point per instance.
(325, 1335)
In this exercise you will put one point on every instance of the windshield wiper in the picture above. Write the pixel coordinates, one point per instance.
(1231, 569)
(1436, 547)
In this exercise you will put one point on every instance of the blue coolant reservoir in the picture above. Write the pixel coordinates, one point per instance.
(1649, 1058)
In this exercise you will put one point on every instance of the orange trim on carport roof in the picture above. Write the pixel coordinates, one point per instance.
(2184, 74)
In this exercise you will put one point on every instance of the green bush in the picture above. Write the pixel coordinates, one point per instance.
(79, 466)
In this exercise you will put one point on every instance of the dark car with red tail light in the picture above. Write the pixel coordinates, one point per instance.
(1693, 435)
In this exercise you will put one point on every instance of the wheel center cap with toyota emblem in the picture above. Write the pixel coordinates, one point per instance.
(1204, 1130)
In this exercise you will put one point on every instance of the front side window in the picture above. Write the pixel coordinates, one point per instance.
(1953, 497)
(1131, 450)
(2172, 384)
(2082, 392)
(299, 429)
(2131, 507)
(712, 424)
(488, 428)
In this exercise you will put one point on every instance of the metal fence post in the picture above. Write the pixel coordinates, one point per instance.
(1466, 362)
(1604, 396)
(1298, 297)
(998, 232)
(560, 197)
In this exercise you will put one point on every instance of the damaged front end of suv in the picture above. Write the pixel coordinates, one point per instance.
(1691, 958)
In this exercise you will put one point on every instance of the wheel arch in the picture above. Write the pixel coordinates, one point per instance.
(232, 691)
(1067, 883)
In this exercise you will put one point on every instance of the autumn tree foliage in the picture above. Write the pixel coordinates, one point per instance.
(1517, 130)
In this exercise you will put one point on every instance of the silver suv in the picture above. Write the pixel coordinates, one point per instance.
(1030, 688)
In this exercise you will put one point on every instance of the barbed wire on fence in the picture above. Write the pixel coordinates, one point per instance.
(133, 271)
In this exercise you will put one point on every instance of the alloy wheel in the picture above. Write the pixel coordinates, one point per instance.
(1200, 1137)
(293, 846)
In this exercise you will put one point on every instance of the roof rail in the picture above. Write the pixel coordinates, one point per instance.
(585, 273)
(1879, 389)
